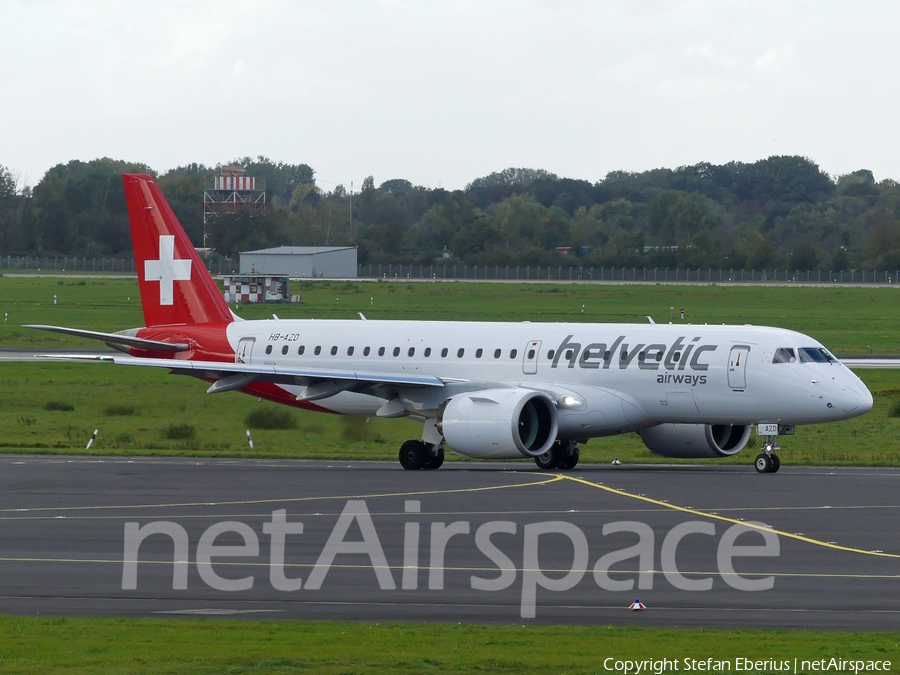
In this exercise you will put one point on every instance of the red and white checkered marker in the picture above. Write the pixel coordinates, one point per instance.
(637, 606)
(615, 462)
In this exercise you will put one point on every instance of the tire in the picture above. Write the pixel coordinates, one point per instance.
(549, 460)
(569, 461)
(435, 460)
(763, 463)
(776, 463)
(413, 455)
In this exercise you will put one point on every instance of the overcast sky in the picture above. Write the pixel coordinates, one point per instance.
(443, 92)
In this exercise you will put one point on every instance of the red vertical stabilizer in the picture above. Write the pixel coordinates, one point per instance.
(175, 286)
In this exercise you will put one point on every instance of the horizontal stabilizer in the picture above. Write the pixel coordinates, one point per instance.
(114, 340)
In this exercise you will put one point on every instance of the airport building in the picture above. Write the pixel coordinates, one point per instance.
(302, 262)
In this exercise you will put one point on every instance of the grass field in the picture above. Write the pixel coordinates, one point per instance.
(201, 647)
(52, 407)
(847, 320)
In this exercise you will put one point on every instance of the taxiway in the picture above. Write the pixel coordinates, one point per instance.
(63, 522)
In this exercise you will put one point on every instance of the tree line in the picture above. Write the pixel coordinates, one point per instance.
(783, 211)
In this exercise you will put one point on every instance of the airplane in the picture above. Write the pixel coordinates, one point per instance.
(485, 389)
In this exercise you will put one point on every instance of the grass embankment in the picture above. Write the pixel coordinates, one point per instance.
(97, 646)
(147, 411)
(55, 407)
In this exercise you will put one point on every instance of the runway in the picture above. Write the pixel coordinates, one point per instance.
(63, 523)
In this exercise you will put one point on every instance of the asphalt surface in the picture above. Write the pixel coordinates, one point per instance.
(63, 523)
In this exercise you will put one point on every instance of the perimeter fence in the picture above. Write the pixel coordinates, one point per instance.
(625, 274)
(93, 265)
(494, 272)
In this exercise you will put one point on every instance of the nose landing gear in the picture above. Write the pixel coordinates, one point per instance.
(767, 461)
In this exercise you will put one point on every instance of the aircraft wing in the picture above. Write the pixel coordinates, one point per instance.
(322, 382)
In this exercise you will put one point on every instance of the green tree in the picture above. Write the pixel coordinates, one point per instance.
(511, 176)
(7, 183)
(805, 257)
(676, 217)
(473, 238)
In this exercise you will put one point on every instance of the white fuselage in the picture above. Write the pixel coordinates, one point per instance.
(607, 378)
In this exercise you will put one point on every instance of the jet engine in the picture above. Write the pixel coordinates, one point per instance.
(696, 440)
(499, 423)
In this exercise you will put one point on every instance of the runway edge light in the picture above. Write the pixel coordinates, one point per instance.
(615, 462)
(637, 606)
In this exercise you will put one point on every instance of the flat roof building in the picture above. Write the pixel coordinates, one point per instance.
(302, 262)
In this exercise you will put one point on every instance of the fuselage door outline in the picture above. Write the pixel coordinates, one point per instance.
(530, 357)
(737, 367)
(244, 352)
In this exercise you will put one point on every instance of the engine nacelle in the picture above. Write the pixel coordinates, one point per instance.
(499, 423)
(696, 440)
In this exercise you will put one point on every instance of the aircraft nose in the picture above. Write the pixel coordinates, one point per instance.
(857, 399)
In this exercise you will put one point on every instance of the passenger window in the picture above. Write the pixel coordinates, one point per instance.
(366, 351)
(411, 352)
(659, 356)
(427, 351)
(301, 349)
(396, 351)
(478, 353)
(334, 351)
(640, 357)
(284, 350)
(318, 350)
(268, 349)
(624, 355)
(349, 351)
(460, 352)
(568, 355)
(444, 352)
(551, 353)
(530, 354)
(381, 351)
(496, 353)
(784, 355)
(676, 357)
(513, 353)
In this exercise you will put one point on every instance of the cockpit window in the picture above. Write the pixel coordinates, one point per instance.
(815, 355)
(784, 355)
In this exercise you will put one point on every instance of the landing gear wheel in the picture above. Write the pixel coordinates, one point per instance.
(413, 455)
(776, 463)
(549, 460)
(763, 463)
(435, 460)
(569, 460)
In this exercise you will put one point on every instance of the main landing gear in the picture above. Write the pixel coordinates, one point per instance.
(420, 455)
(561, 455)
(767, 461)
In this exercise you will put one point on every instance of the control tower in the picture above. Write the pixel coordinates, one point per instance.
(230, 192)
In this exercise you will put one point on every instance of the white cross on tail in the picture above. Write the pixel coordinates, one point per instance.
(167, 270)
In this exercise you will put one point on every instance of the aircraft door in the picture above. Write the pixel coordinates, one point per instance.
(244, 351)
(532, 352)
(737, 367)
